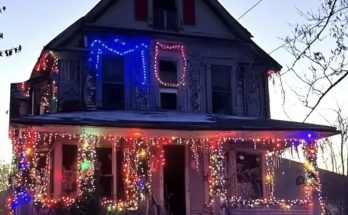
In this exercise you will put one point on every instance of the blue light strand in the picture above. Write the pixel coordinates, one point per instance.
(20, 197)
(122, 48)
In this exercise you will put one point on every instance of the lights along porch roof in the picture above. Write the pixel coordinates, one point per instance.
(172, 120)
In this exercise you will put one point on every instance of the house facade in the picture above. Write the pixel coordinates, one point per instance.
(154, 107)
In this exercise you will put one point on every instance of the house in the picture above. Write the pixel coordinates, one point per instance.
(155, 107)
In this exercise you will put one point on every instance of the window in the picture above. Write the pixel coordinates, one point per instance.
(104, 177)
(113, 87)
(69, 186)
(168, 99)
(120, 189)
(165, 14)
(249, 175)
(168, 73)
(221, 89)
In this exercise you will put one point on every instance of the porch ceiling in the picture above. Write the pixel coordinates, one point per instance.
(178, 124)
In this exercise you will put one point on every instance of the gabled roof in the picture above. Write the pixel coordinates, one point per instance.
(231, 23)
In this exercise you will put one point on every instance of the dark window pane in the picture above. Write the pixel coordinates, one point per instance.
(104, 161)
(113, 96)
(172, 19)
(221, 89)
(120, 191)
(168, 101)
(165, 14)
(52, 172)
(249, 175)
(113, 83)
(113, 69)
(221, 102)
(158, 18)
(164, 4)
(104, 172)
(168, 71)
(69, 186)
(69, 156)
(221, 78)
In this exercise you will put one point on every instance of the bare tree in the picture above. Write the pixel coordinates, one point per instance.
(4, 176)
(337, 150)
(10, 51)
(319, 50)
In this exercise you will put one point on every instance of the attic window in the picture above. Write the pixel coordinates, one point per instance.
(165, 14)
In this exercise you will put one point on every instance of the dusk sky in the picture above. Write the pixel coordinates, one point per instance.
(34, 23)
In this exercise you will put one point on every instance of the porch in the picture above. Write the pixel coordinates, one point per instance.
(140, 171)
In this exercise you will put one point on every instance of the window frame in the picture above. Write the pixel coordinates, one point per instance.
(209, 92)
(100, 83)
(167, 55)
(233, 162)
(171, 91)
(179, 14)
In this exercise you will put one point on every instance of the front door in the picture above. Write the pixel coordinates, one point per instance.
(174, 180)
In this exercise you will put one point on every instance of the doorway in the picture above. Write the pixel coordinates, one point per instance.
(174, 191)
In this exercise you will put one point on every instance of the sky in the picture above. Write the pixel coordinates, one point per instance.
(33, 23)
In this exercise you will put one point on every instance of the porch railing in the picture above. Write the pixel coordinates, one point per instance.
(226, 210)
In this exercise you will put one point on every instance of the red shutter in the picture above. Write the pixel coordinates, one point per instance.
(140, 10)
(189, 12)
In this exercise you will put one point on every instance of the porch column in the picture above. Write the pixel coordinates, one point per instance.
(57, 169)
(312, 182)
(217, 183)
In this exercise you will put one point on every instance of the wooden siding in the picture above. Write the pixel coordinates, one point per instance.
(122, 15)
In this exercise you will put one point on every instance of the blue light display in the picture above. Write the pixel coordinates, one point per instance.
(134, 50)
(20, 197)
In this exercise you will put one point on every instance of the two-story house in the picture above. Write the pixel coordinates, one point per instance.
(154, 107)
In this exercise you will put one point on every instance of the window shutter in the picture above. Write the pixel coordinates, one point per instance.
(140, 10)
(189, 12)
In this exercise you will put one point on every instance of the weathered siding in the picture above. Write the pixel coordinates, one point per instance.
(207, 24)
(120, 15)
(76, 80)
(71, 82)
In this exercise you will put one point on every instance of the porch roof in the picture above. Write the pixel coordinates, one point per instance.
(179, 121)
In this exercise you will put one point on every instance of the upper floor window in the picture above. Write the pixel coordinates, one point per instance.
(113, 85)
(165, 14)
(168, 73)
(221, 84)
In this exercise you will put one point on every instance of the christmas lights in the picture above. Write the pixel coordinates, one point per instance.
(270, 158)
(135, 51)
(312, 182)
(86, 156)
(141, 157)
(238, 202)
(25, 88)
(172, 47)
(48, 62)
(216, 170)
